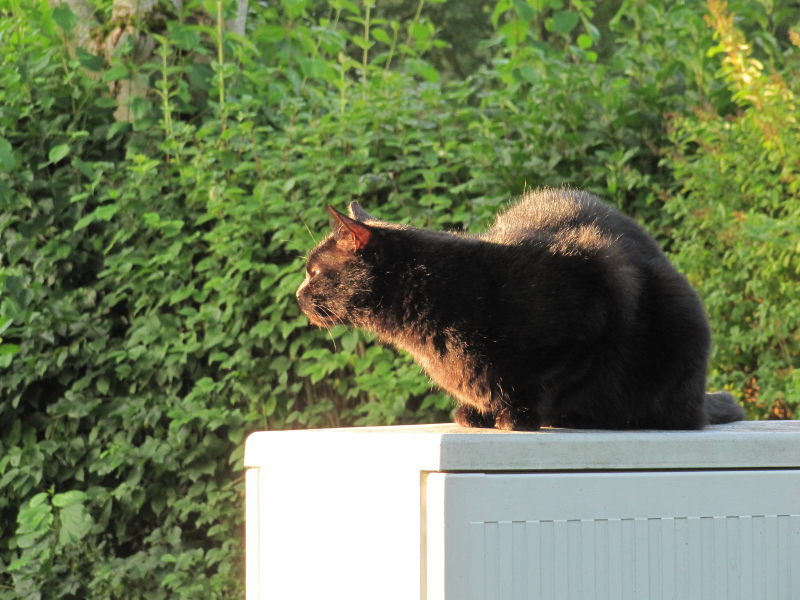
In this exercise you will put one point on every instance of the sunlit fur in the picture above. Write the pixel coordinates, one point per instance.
(564, 313)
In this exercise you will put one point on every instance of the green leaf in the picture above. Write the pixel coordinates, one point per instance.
(105, 102)
(270, 33)
(515, 31)
(69, 498)
(381, 36)
(105, 212)
(90, 61)
(361, 42)
(524, 10)
(180, 294)
(34, 520)
(5, 323)
(75, 523)
(20, 563)
(565, 21)
(500, 7)
(350, 341)
(58, 152)
(584, 41)
(101, 213)
(184, 36)
(7, 160)
(64, 17)
(7, 352)
(420, 67)
(421, 32)
(115, 73)
(529, 74)
(119, 126)
(8, 349)
(84, 222)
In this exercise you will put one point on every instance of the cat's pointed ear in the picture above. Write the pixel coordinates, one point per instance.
(348, 232)
(356, 212)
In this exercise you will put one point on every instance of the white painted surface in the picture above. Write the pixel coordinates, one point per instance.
(333, 534)
(447, 447)
(440, 512)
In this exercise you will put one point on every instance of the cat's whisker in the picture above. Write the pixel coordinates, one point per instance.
(308, 229)
(331, 317)
(333, 339)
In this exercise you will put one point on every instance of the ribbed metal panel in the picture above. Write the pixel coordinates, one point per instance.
(737, 557)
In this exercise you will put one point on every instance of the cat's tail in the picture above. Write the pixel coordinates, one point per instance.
(721, 407)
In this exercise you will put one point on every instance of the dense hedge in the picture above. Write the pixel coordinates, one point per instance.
(148, 268)
(736, 200)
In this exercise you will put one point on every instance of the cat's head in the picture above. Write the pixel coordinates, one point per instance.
(340, 270)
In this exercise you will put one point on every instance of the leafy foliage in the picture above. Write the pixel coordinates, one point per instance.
(738, 202)
(148, 268)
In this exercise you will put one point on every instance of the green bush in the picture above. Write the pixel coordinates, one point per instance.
(738, 205)
(148, 267)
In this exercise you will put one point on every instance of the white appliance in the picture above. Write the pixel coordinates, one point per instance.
(439, 512)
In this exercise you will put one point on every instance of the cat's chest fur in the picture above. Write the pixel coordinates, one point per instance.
(448, 362)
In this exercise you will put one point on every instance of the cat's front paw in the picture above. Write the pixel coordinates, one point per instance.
(509, 420)
(468, 416)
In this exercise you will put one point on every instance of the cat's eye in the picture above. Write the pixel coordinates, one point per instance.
(314, 272)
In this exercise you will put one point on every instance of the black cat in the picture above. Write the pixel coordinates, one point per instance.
(565, 313)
